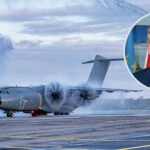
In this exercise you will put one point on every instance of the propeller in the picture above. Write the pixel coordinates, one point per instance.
(88, 93)
(55, 95)
(83, 96)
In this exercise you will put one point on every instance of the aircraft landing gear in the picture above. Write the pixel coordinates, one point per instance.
(9, 114)
(58, 113)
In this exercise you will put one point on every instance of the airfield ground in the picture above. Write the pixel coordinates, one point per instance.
(122, 132)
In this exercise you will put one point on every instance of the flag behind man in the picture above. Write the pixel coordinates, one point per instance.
(129, 52)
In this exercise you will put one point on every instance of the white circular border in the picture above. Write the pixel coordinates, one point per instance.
(143, 85)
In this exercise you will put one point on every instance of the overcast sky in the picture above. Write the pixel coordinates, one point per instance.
(51, 38)
(143, 4)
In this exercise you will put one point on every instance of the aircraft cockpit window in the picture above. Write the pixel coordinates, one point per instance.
(4, 92)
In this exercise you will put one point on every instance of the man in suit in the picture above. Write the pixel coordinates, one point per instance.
(144, 75)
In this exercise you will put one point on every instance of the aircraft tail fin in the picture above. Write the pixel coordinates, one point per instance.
(99, 70)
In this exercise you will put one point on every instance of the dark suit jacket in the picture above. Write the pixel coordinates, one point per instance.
(143, 76)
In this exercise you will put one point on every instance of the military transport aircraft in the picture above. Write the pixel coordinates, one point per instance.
(56, 98)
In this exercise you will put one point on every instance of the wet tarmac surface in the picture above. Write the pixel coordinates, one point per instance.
(75, 132)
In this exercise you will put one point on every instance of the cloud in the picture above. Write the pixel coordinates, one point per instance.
(85, 8)
(91, 17)
(22, 15)
(142, 4)
(5, 47)
(66, 27)
(27, 44)
(96, 29)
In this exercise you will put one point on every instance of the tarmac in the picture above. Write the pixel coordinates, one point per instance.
(76, 132)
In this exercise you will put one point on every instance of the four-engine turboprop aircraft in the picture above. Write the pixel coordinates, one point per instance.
(55, 98)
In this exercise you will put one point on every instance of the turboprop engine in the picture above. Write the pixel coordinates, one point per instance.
(87, 93)
(83, 95)
(55, 95)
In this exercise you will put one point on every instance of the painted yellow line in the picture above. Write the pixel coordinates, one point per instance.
(115, 120)
(75, 139)
(52, 138)
(14, 147)
(134, 140)
(125, 120)
(135, 147)
(40, 101)
(71, 149)
(147, 121)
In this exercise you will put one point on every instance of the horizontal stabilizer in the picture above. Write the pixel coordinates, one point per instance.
(103, 60)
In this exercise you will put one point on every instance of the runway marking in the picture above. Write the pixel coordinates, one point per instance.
(147, 121)
(125, 120)
(59, 117)
(116, 120)
(53, 138)
(18, 147)
(135, 147)
(75, 139)
(71, 149)
(63, 117)
(38, 118)
(119, 120)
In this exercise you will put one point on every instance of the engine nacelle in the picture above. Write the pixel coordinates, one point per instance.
(83, 96)
(55, 95)
(88, 93)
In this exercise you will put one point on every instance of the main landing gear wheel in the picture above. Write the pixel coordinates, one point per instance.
(9, 114)
(58, 113)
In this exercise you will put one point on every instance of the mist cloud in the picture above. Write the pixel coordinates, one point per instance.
(6, 46)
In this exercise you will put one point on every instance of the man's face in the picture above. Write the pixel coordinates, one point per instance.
(148, 41)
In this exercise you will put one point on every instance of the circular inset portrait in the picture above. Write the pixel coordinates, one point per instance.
(137, 50)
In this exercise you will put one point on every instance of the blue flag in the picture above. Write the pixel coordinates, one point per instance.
(129, 52)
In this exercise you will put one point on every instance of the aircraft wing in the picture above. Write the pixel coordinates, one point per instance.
(116, 90)
(109, 90)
